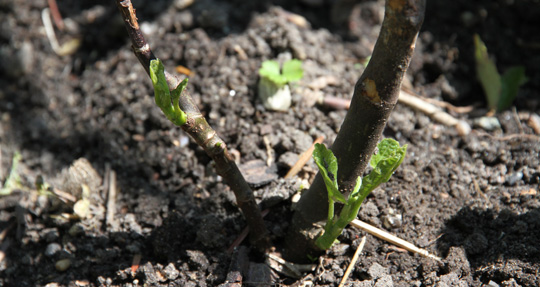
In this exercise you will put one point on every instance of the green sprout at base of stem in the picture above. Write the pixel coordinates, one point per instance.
(167, 100)
(384, 163)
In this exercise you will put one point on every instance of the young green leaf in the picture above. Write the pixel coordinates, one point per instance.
(500, 91)
(328, 167)
(487, 73)
(384, 163)
(292, 70)
(512, 79)
(163, 99)
(270, 69)
(356, 188)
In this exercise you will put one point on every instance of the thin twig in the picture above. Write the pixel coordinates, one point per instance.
(67, 48)
(206, 137)
(49, 30)
(392, 239)
(335, 103)
(303, 159)
(269, 151)
(442, 104)
(509, 137)
(111, 199)
(64, 196)
(353, 262)
(432, 111)
(518, 121)
(408, 98)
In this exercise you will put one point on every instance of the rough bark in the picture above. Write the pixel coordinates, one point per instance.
(375, 95)
(199, 129)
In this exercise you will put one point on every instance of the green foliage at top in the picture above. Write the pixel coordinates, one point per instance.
(500, 90)
(292, 71)
(384, 163)
(167, 100)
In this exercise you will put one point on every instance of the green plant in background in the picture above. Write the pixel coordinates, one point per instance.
(500, 90)
(167, 101)
(384, 163)
(13, 181)
(273, 89)
(292, 71)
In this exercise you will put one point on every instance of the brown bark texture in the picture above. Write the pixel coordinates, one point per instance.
(206, 137)
(375, 96)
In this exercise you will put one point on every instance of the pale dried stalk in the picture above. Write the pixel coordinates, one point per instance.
(392, 239)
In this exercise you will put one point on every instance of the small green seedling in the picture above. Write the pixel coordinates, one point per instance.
(273, 89)
(384, 163)
(500, 90)
(292, 71)
(167, 100)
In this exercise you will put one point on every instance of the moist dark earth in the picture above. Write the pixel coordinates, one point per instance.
(88, 117)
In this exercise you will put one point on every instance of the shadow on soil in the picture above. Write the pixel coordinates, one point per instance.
(489, 236)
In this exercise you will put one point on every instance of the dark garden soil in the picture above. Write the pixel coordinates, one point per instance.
(472, 200)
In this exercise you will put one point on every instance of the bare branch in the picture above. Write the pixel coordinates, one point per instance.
(199, 129)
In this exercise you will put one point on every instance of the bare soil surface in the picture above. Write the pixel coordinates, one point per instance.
(89, 118)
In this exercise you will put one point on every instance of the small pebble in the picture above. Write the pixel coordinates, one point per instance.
(339, 249)
(171, 272)
(288, 159)
(487, 123)
(62, 265)
(182, 4)
(463, 128)
(513, 178)
(377, 271)
(392, 219)
(76, 230)
(534, 123)
(52, 249)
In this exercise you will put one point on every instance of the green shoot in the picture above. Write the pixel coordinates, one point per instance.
(292, 71)
(13, 180)
(500, 90)
(384, 163)
(167, 102)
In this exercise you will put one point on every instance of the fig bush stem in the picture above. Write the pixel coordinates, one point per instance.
(375, 95)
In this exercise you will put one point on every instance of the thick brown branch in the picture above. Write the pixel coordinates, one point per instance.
(375, 95)
(199, 129)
